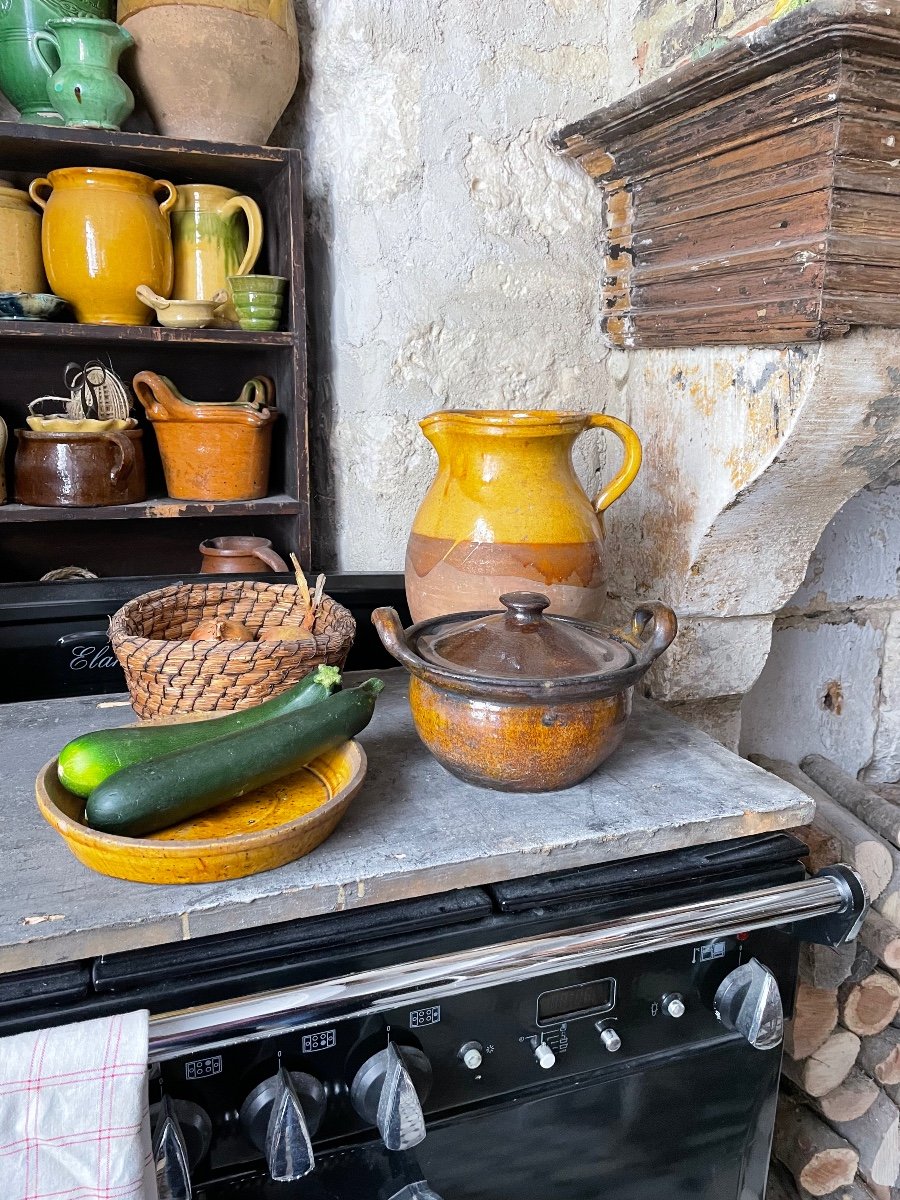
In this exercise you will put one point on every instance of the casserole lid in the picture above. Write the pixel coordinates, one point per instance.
(521, 643)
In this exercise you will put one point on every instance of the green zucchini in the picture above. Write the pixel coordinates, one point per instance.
(163, 791)
(90, 759)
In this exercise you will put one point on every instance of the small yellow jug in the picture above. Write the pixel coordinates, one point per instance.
(506, 513)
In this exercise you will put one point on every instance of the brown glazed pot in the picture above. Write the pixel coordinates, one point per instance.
(80, 470)
(239, 556)
(521, 701)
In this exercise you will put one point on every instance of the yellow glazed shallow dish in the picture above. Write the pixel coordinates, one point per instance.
(266, 828)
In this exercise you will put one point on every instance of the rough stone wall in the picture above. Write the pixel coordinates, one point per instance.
(831, 684)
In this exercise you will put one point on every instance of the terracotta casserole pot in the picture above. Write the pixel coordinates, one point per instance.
(518, 700)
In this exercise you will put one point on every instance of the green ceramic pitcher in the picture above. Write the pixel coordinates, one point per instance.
(23, 73)
(86, 91)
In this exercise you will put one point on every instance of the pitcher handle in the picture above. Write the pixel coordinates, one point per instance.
(250, 209)
(37, 38)
(165, 204)
(125, 465)
(267, 555)
(630, 466)
(34, 193)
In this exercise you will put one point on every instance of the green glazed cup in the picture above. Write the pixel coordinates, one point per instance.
(272, 285)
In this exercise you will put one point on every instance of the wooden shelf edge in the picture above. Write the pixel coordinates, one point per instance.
(134, 140)
(60, 331)
(159, 509)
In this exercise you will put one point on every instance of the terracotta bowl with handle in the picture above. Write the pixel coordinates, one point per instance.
(520, 700)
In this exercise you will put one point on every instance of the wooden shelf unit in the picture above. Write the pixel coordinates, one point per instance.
(204, 364)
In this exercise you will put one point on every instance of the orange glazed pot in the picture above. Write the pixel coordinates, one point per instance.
(506, 512)
(212, 451)
(519, 701)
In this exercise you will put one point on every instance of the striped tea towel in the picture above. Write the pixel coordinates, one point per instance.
(73, 1112)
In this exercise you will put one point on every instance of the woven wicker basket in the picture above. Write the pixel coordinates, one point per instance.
(168, 675)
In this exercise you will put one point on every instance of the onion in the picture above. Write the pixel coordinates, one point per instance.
(213, 630)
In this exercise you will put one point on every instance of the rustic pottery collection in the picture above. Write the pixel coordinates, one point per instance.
(239, 556)
(85, 89)
(80, 470)
(211, 451)
(522, 701)
(24, 73)
(222, 70)
(104, 233)
(506, 512)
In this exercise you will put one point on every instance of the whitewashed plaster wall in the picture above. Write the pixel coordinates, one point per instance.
(452, 259)
(831, 684)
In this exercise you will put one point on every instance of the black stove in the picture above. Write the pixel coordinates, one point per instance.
(612, 1030)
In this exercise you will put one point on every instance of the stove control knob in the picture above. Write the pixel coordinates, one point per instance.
(673, 1004)
(471, 1055)
(748, 1001)
(544, 1056)
(181, 1136)
(388, 1091)
(609, 1038)
(279, 1117)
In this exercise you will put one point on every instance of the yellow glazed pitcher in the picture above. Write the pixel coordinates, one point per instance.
(506, 513)
(105, 232)
(216, 232)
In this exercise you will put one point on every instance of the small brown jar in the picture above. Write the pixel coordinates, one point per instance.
(80, 470)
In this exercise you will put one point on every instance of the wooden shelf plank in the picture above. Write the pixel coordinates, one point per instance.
(55, 332)
(162, 508)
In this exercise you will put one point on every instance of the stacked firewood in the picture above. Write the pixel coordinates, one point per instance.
(838, 1130)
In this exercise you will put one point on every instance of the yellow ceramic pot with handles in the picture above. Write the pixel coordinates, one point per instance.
(506, 513)
(104, 233)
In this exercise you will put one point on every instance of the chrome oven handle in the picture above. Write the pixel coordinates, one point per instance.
(835, 890)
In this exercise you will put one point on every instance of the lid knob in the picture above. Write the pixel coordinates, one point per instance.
(524, 608)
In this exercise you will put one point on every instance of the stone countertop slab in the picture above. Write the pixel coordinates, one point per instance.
(413, 830)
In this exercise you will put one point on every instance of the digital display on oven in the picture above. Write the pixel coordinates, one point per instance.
(565, 1004)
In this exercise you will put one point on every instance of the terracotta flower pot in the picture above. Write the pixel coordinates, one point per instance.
(104, 233)
(222, 70)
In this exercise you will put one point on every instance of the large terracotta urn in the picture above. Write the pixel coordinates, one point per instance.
(21, 264)
(222, 70)
(506, 513)
(104, 233)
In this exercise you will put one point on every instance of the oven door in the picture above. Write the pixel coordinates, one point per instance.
(695, 1127)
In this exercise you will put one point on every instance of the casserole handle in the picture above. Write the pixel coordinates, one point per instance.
(393, 639)
(653, 628)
